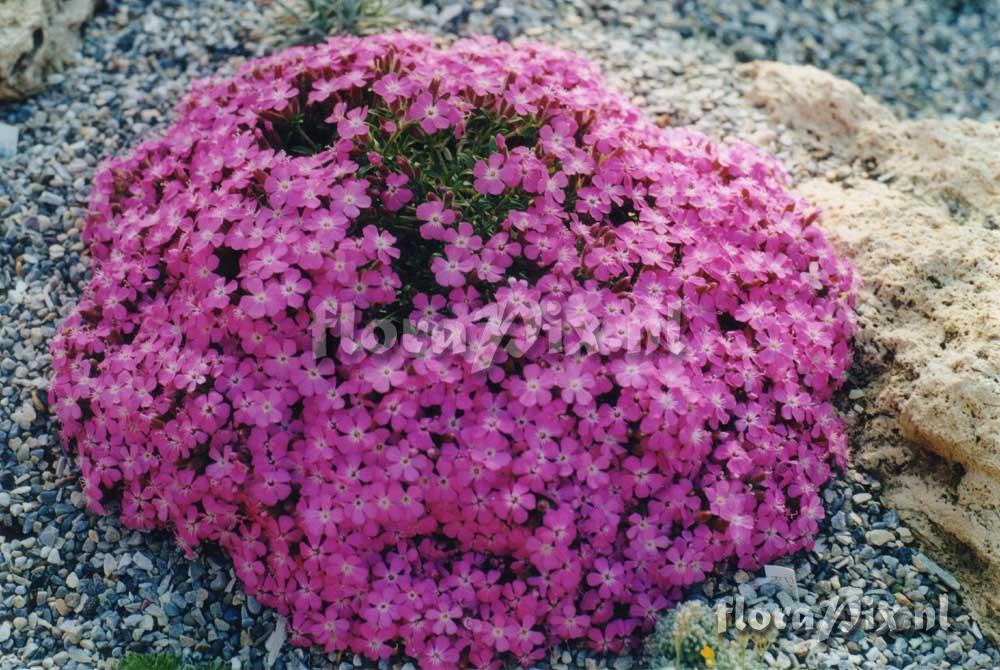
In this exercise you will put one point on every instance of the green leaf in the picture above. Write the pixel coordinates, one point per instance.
(165, 662)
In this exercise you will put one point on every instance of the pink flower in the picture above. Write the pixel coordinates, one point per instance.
(534, 388)
(310, 375)
(395, 196)
(500, 632)
(390, 87)
(685, 566)
(353, 124)
(440, 654)
(463, 238)
(450, 270)
(433, 115)
(210, 411)
(265, 407)
(379, 244)
(261, 299)
(608, 577)
(487, 175)
(515, 503)
(633, 370)
(384, 373)
(404, 465)
(270, 486)
(350, 198)
(436, 217)
(576, 383)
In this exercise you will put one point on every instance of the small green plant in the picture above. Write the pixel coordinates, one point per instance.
(687, 639)
(166, 662)
(312, 21)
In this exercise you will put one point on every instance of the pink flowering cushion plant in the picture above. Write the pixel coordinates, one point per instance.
(615, 373)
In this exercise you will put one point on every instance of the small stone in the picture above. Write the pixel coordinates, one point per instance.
(24, 416)
(54, 558)
(48, 536)
(954, 651)
(924, 564)
(49, 198)
(61, 607)
(449, 13)
(8, 140)
(142, 562)
(72, 581)
(861, 498)
(880, 536)
(275, 641)
(80, 655)
(787, 603)
(875, 656)
(4, 631)
(747, 592)
(110, 565)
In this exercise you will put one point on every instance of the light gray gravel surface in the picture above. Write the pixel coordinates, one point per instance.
(939, 58)
(922, 57)
(77, 590)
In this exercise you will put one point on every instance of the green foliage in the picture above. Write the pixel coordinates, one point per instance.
(687, 639)
(438, 163)
(165, 662)
(312, 21)
(443, 165)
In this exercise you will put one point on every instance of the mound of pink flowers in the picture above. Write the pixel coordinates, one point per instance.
(615, 351)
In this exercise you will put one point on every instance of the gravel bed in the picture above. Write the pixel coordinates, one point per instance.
(77, 590)
(865, 572)
(937, 58)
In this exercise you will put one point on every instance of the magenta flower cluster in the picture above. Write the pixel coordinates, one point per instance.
(464, 507)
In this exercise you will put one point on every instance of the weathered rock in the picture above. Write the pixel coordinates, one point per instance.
(37, 37)
(921, 224)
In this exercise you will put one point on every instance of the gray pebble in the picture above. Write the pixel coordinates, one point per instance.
(48, 536)
(8, 140)
(142, 562)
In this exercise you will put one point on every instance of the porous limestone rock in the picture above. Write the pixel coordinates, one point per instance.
(37, 37)
(919, 216)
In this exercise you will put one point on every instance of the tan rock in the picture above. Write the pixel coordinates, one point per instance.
(920, 219)
(37, 37)
(833, 110)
